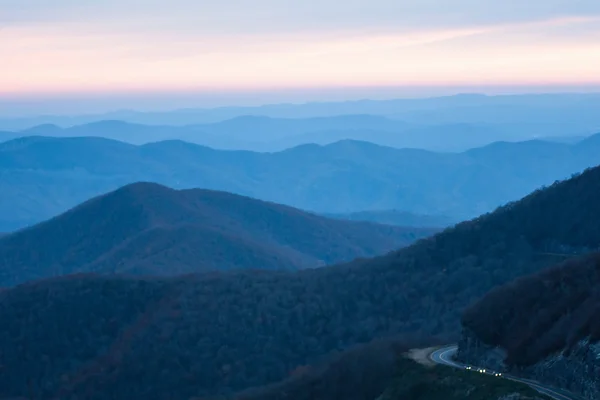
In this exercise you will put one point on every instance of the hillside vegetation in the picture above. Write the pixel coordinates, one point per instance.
(418, 382)
(362, 372)
(230, 331)
(380, 370)
(146, 228)
(541, 314)
(86, 336)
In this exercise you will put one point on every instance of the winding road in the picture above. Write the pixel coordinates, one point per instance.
(445, 356)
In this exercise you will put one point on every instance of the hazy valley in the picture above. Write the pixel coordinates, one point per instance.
(298, 316)
(44, 176)
(159, 269)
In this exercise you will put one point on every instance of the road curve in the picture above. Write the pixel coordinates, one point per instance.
(445, 356)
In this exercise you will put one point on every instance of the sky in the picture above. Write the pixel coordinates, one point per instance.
(70, 48)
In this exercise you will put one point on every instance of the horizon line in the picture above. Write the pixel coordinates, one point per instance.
(300, 102)
(568, 85)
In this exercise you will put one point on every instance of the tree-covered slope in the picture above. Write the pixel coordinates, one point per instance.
(231, 331)
(146, 228)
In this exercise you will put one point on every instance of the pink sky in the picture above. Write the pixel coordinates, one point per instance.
(72, 57)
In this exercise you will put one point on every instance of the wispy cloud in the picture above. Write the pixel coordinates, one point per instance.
(160, 48)
(277, 16)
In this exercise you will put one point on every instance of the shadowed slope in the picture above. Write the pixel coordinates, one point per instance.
(148, 228)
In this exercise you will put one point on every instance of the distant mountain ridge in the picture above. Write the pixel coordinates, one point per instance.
(43, 176)
(253, 131)
(149, 229)
(265, 134)
(574, 109)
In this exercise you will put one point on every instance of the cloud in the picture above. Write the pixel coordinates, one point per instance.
(268, 16)
(135, 45)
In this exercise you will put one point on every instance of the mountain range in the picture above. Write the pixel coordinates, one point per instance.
(148, 229)
(43, 176)
(555, 114)
(87, 335)
(265, 134)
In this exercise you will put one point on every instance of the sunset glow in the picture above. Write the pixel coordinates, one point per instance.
(54, 57)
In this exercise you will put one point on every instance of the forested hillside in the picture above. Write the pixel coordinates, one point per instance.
(148, 229)
(418, 382)
(362, 372)
(541, 314)
(545, 327)
(231, 331)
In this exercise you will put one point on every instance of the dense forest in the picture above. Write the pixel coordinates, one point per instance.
(85, 336)
(147, 228)
(383, 370)
(362, 372)
(229, 331)
(541, 314)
